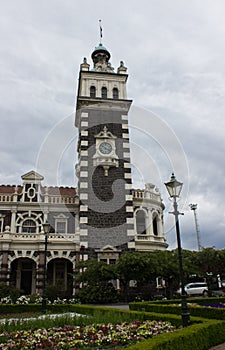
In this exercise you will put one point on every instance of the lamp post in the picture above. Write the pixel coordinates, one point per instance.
(46, 228)
(194, 208)
(174, 189)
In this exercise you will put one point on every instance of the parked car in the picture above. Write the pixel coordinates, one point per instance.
(195, 288)
(223, 283)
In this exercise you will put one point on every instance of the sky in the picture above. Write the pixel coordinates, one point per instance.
(174, 51)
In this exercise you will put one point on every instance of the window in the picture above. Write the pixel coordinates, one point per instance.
(61, 224)
(92, 91)
(112, 261)
(29, 222)
(104, 92)
(29, 226)
(61, 227)
(115, 93)
(140, 222)
(1, 223)
(30, 192)
(155, 226)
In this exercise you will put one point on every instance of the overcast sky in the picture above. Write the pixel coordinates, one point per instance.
(175, 54)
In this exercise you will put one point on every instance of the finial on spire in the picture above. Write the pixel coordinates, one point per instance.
(100, 29)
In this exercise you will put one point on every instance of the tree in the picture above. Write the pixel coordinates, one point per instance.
(168, 269)
(136, 266)
(95, 277)
(211, 263)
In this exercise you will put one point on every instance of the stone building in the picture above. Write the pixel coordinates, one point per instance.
(103, 216)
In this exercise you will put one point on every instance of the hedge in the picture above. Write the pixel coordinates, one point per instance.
(195, 337)
(198, 300)
(206, 312)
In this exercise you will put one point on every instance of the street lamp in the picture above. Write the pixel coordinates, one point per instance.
(46, 228)
(194, 208)
(174, 188)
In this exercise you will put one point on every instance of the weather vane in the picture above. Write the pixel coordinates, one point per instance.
(100, 29)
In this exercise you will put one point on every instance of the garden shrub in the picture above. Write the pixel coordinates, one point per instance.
(101, 293)
(55, 291)
(9, 291)
(19, 308)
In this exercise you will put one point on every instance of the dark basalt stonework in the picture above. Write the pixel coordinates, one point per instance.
(107, 214)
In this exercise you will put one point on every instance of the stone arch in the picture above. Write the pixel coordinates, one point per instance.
(23, 274)
(141, 221)
(60, 275)
(31, 254)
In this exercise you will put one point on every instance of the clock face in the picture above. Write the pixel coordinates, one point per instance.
(105, 147)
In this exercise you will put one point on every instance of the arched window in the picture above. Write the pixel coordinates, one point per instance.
(29, 226)
(155, 225)
(104, 92)
(140, 222)
(92, 91)
(115, 93)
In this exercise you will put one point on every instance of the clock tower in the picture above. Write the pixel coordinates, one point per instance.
(103, 169)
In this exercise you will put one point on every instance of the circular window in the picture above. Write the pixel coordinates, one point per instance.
(31, 192)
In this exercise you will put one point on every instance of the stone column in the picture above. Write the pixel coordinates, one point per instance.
(4, 271)
(40, 273)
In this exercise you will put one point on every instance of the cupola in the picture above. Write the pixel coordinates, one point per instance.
(100, 57)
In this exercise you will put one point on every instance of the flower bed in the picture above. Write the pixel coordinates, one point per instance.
(110, 336)
(217, 305)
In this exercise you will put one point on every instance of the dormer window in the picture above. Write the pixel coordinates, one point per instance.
(115, 94)
(104, 92)
(30, 192)
(92, 91)
(31, 187)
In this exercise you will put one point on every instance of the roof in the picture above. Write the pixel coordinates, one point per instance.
(100, 49)
(7, 189)
(32, 176)
(52, 190)
(63, 191)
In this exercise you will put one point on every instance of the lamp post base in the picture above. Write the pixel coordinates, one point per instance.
(185, 318)
(44, 306)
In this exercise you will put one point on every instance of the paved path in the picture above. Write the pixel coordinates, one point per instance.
(218, 347)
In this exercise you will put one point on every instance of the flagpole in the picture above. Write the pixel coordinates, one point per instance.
(100, 29)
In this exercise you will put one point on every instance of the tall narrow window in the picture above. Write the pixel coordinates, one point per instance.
(140, 222)
(115, 93)
(92, 91)
(104, 92)
(155, 226)
(29, 226)
(1, 223)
